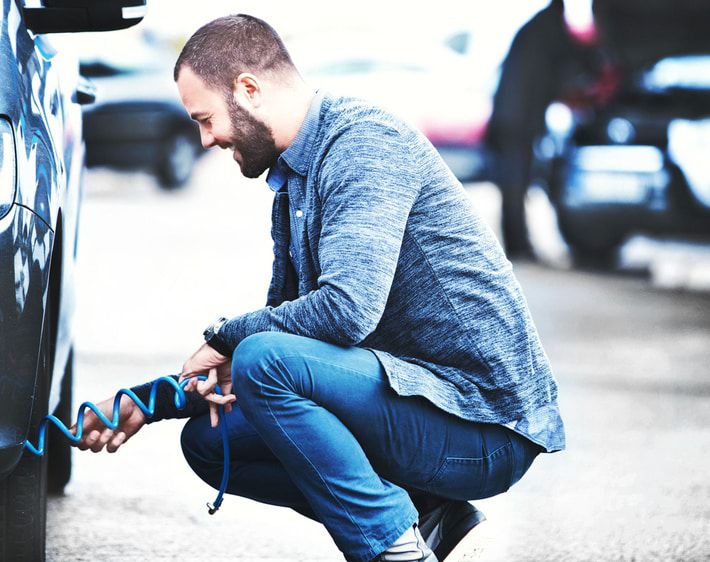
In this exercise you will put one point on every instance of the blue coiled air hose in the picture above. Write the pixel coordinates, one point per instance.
(149, 411)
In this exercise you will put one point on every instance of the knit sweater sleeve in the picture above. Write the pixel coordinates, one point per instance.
(367, 187)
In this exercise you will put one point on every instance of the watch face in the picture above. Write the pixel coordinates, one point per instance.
(213, 328)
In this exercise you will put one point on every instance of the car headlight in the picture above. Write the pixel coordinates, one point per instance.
(8, 167)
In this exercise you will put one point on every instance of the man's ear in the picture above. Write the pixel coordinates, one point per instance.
(247, 90)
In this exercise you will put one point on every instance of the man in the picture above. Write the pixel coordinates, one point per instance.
(395, 372)
(548, 59)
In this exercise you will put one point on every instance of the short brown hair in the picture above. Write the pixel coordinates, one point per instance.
(221, 50)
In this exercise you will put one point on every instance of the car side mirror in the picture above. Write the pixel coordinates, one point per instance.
(66, 16)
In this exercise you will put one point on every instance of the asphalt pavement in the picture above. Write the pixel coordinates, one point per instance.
(631, 360)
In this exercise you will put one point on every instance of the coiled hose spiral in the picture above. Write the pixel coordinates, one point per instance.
(149, 411)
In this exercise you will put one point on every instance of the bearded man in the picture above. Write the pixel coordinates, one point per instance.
(395, 372)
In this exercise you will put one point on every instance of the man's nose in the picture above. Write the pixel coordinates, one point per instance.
(207, 139)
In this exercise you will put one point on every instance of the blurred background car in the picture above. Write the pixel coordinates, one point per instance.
(41, 161)
(137, 121)
(424, 82)
(637, 162)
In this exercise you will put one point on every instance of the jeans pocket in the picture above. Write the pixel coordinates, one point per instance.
(464, 478)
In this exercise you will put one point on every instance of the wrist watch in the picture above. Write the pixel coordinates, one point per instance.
(212, 338)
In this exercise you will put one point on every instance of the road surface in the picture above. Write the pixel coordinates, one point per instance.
(155, 268)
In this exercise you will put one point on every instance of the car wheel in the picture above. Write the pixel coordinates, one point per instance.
(591, 244)
(179, 158)
(23, 494)
(59, 461)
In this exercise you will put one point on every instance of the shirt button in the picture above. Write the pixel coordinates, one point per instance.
(290, 253)
(299, 213)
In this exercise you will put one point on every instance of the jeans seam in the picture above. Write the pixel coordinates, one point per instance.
(513, 461)
(320, 360)
(489, 456)
(313, 468)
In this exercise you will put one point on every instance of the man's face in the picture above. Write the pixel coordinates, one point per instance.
(252, 142)
(224, 123)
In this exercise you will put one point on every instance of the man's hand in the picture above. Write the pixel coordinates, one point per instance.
(208, 361)
(96, 436)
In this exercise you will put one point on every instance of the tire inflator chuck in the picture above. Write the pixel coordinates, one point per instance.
(149, 411)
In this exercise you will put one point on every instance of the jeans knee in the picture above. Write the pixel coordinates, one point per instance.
(255, 355)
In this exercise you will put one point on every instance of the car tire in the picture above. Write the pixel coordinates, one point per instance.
(59, 460)
(23, 494)
(591, 247)
(179, 157)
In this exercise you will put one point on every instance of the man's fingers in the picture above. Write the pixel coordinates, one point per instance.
(186, 370)
(215, 398)
(207, 387)
(81, 444)
(214, 415)
(226, 387)
(185, 375)
(99, 443)
(106, 435)
(204, 388)
(91, 438)
(118, 440)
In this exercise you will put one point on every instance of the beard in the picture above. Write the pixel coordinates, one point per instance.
(253, 139)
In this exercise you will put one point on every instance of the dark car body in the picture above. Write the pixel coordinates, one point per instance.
(137, 121)
(637, 163)
(41, 162)
(38, 228)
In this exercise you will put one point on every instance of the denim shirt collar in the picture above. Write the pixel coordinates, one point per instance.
(297, 156)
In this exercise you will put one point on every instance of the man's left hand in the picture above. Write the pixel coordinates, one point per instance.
(208, 361)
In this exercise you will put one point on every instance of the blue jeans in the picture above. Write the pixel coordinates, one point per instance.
(318, 429)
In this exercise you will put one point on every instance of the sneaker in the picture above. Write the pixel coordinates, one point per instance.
(445, 528)
(409, 547)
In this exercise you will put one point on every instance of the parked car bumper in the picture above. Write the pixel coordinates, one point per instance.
(628, 188)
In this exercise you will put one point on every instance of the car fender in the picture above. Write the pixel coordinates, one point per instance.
(25, 252)
(46, 126)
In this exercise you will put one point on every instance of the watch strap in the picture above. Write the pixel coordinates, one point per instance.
(213, 339)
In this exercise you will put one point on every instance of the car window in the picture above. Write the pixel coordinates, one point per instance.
(120, 53)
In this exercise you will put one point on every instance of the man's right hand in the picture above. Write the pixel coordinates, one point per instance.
(96, 436)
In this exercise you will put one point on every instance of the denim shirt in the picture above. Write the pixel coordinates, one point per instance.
(277, 180)
(391, 256)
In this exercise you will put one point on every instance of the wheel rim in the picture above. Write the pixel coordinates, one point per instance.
(181, 156)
